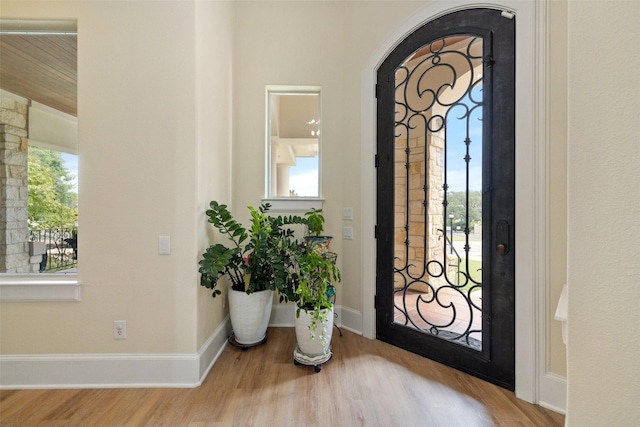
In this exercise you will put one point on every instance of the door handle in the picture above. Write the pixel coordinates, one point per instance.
(502, 236)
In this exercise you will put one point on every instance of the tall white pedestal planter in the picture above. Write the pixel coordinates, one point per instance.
(250, 316)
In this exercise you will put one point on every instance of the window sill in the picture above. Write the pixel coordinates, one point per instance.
(294, 204)
(39, 287)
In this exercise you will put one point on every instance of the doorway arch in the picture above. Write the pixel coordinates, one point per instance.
(531, 208)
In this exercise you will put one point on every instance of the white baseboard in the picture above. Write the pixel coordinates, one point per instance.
(282, 315)
(212, 348)
(138, 370)
(350, 319)
(553, 393)
(113, 370)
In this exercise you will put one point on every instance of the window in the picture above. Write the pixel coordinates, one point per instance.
(52, 208)
(293, 142)
(39, 138)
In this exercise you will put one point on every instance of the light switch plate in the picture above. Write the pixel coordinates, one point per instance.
(347, 214)
(347, 233)
(164, 245)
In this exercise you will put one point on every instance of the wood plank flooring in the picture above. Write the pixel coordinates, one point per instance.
(366, 383)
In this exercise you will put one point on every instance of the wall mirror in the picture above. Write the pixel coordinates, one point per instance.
(293, 142)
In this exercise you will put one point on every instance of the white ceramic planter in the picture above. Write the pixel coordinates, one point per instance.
(250, 315)
(314, 345)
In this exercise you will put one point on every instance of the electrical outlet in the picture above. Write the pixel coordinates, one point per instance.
(119, 329)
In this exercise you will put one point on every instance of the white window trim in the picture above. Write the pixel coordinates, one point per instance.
(40, 287)
(294, 204)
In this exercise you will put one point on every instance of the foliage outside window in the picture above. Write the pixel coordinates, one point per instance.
(52, 201)
(457, 206)
(52, 209)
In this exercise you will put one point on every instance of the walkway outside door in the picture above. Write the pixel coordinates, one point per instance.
(445, 194)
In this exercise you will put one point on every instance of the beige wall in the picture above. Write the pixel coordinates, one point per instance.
(137, 127)
(214, 101)
(310, 43)
(604, 213)
(557, 186)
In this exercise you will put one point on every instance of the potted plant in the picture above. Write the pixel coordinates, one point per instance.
(315, 225)
(257, 261)
(314, 296)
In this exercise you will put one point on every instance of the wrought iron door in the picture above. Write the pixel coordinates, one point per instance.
(445, 191)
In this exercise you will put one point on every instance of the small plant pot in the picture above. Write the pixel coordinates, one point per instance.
(319, 244)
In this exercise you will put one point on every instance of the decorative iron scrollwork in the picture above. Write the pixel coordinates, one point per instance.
(438, 287)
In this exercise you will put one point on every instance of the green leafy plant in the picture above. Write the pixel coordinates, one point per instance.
(315, 221)
(267, 255)
(317, 273)
(260, 258)
(52, 202)
(315, 289)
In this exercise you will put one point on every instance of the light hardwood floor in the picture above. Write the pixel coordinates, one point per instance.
(366, 383)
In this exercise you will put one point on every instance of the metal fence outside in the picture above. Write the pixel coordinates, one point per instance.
(62, 248)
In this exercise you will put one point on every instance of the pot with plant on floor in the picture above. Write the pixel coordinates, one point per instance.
(257, 262)
(315, 291)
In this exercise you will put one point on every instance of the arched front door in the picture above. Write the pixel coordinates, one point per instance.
(446, 194)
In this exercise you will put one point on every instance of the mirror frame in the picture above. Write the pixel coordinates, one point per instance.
(289, 90)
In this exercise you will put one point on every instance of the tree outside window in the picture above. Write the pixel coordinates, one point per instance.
(52, 199)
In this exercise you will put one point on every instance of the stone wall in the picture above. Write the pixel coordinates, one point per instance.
(425, 223)
(14, 230)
